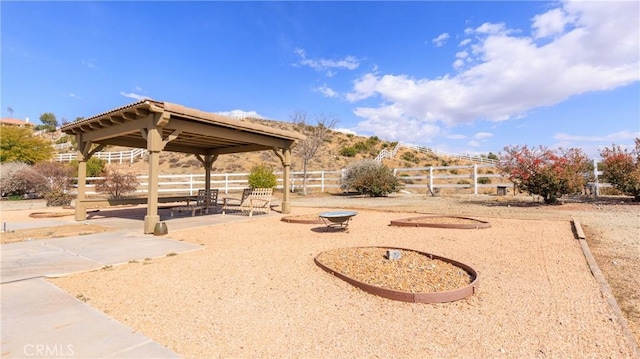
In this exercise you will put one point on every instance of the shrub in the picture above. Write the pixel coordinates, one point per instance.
(544, 172)
(49, 179)
(410, 157)
(95, 167)
(361, 146)
(348, 151)
(262, 176)
(621, 168)
(116, 184)
(11, 182)
(371, 178)
(484, 180)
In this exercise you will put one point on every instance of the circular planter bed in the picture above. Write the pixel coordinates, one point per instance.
(303, 218)
(436, 221)
(415, 276)
(50, 214)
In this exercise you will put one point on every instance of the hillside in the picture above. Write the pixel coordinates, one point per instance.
(331, 156)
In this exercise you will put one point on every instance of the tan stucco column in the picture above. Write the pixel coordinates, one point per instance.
(286, 174)
(81, 211)
(154, 146)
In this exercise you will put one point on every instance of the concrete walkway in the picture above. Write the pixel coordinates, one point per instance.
(40, 320)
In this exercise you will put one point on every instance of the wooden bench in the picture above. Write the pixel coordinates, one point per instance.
(253, 200)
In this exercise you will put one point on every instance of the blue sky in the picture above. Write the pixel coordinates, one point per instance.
(455, 76)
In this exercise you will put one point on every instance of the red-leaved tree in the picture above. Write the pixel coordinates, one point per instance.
(543, 172)
(621, 168)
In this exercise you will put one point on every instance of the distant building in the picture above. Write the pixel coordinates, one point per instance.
(15, 122)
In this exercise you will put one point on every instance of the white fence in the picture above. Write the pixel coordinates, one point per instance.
(468, 179)
(120, 156)
(188, 184)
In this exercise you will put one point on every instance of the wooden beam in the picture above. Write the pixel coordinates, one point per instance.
(226, 133)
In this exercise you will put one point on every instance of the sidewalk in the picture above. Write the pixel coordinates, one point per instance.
(40, 320)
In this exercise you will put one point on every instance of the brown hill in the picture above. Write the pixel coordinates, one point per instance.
(338, 151)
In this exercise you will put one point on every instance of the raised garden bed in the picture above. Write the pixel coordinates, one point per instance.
(312, 218)
(417, 277)
(437, 221)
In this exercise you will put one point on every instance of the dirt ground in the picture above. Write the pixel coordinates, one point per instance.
(255, 291)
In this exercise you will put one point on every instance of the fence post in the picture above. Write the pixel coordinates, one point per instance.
(322, 181)
(596, 183)
(475, 179)
(226, 183)
(431, 179)
(121, 153)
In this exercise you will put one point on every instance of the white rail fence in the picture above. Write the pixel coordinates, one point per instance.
(471, 179)
(132, 155)
(119, 156)
(467, 157)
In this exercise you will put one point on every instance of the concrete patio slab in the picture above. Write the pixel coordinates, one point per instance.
(34, 259)
(41, 320)
(111, 248)
(64, 256)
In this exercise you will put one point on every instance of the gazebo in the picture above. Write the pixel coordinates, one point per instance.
(162, 126)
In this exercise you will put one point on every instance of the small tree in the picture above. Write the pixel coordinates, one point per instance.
(51, 180)
(621, 168)
(262, 176)
(18, 144)
(49, 122)
(11, 182)
(544, 172)
(315, 137)
(371, 178)
(116, 184)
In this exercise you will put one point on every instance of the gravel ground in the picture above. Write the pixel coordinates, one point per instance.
(255, 291)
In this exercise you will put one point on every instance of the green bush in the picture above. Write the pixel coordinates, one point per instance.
(262, 176)
(410, 157)
(361, 146)
(484, 180)
(348, 151)
(371, 178)
(95, 167)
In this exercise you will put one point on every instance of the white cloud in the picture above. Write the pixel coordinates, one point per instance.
(326, 91)
(550, 23)
(327, 65)
(595, 47)
(482, 135)
(89, 64)
(612, 137)
(440, 40)
(345, 130)
(134, 96)
(473, 144)
(455, 137)
(241, 114)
